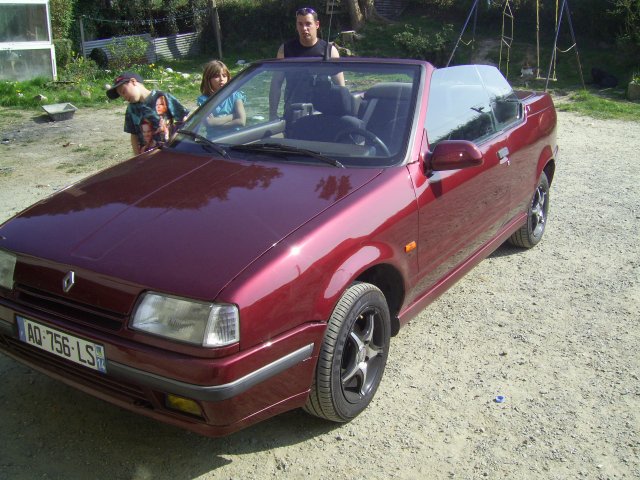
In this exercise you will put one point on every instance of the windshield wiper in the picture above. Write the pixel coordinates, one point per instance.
(201, 139)
(283, 150)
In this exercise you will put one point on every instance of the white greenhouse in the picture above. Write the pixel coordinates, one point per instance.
(26, 44)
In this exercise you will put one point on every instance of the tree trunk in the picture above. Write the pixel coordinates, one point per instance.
(362, 11)
(355, 14)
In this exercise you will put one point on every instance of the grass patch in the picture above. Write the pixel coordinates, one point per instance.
(598, 106)
(180, 78)
(69, 167)
(81, 149)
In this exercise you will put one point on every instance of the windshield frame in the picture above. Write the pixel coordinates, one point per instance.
(405, 75)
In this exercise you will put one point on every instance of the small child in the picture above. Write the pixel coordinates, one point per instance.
(230, 113)
(151, 115)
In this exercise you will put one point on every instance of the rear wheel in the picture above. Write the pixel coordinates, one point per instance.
(353, 355)
(531, 232)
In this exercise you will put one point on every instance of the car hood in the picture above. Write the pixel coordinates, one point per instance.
(182, 224)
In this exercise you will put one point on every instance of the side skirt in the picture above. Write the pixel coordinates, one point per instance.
(457, 273)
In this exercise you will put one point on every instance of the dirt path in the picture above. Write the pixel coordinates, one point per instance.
(555, 330)
(38, 156)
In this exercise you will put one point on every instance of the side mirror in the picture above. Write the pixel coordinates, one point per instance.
(454, 155)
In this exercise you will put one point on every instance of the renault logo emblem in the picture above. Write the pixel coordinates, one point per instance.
(68, 281)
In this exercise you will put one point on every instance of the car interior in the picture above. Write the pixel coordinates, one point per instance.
(335, 121)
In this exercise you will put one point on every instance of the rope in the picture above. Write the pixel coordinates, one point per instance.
(567, 50)
(506, 13)
(537, 38)
(153, 21)
(473, 9)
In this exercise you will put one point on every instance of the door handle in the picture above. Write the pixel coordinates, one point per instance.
(503, 156)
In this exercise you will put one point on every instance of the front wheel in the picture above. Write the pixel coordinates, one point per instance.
(353, 355)
(531, 232)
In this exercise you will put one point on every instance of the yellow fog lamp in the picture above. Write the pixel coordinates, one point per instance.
(181, 404)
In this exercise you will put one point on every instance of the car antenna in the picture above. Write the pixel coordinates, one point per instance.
(327, 51)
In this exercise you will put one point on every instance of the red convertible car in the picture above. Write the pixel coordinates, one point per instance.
(236, 273)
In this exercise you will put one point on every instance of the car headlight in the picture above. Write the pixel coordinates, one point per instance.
(200, 323)
(7, 267)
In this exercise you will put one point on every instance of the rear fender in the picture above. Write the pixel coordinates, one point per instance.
(546, 162)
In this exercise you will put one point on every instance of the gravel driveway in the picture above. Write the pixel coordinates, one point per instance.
(555, 330)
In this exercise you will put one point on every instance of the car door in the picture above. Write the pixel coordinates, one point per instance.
(514, 141)
(459, 210)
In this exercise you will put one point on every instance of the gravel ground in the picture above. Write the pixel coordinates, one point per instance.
(555, 330)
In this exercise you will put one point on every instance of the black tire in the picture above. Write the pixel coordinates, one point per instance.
(99, 56)
(353, 355)
(531, 232)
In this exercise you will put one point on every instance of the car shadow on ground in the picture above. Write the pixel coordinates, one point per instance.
(114, 443)
(506, 250)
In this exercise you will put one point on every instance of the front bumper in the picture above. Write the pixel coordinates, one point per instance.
(244, 387)
(211, 393)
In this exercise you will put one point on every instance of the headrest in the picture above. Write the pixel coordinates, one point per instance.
(335, 100)
(393, 90)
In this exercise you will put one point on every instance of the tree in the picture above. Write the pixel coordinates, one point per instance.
(362, 11)
(628, 12)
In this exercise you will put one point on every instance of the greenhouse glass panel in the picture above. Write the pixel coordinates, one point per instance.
(23, 22)
(25, 64)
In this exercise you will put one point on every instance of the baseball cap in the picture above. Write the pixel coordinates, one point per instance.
(121, 79)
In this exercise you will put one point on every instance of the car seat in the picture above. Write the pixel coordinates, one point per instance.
(332, 114)
(385, 112)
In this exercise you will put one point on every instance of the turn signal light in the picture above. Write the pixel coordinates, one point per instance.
(184, 405)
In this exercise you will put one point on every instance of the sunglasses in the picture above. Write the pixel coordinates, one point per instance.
(305, 11)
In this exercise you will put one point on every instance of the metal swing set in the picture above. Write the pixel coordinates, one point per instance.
(506, 37)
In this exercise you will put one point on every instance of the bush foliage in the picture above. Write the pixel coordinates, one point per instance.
(419, 45)
(80, 70)
(64, 51)
(62, 16)
(126, 52)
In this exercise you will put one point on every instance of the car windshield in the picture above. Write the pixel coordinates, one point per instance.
(342, 113)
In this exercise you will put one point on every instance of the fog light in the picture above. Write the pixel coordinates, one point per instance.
(182, 404)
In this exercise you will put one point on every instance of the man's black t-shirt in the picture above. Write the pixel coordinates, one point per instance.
(293, 48)
(299, 83)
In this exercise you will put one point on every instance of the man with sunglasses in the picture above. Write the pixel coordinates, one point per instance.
(307, 44)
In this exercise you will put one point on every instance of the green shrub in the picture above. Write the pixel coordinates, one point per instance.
(125, 53)
(422, 46)
(79, 70)
(64, 51)
(61, 12)
(628, 15)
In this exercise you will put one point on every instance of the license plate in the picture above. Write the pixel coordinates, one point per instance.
(62, 344)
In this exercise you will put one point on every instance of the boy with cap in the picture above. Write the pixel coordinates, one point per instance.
(150, 107)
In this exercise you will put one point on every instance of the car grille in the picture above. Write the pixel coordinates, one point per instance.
(64, 308)
(94, 380)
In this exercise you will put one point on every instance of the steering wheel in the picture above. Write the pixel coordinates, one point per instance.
(369, 139)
